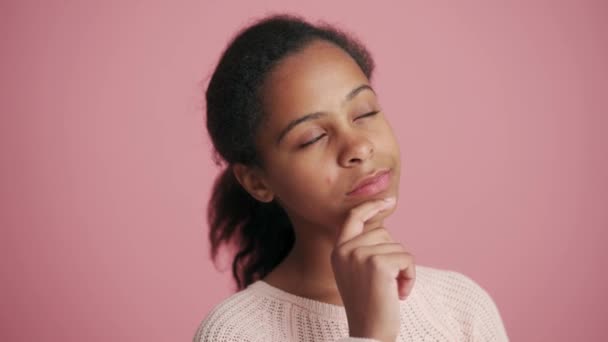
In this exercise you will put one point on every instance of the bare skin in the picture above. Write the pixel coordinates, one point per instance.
(342, 251)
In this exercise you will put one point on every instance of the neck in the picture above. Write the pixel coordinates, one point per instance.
(307, 270)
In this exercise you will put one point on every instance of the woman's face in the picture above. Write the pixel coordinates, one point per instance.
(324, 132)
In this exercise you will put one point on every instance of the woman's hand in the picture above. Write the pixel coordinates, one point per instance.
(372, 273)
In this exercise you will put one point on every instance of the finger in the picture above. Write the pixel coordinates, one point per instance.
(362, 253)
(372, 237)
(401, 267)
(357, 217)
(405, 281)
(397, 263)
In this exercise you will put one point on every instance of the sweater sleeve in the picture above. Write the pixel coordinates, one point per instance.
(489, 325)
(357, 339)
(484, 318)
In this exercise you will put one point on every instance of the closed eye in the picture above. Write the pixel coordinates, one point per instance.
(368, 114)
(312, 141)
(308, 143)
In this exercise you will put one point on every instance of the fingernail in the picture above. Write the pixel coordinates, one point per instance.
(389, 200)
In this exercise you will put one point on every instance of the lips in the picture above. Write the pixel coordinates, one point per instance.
(373, 183)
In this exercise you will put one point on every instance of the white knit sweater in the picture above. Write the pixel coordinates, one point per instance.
(442, 306)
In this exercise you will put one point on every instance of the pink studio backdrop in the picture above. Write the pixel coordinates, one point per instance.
(500, 109)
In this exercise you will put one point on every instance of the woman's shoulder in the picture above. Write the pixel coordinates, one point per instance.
(453, 286)
(445, 278)
(243, 316)
(469, 303)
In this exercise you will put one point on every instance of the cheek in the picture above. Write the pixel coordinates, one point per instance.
(316, 183)
(331, 178)
(303, 179)
(388, 139)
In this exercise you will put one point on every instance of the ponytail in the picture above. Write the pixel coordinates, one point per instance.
(262, 232)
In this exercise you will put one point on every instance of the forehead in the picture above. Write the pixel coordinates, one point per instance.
(316, 78)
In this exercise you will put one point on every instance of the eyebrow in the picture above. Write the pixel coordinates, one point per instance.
(317, 115)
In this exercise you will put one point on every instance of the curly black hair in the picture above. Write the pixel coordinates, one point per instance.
(261, 232)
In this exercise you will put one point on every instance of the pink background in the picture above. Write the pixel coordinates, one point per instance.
(500, 108)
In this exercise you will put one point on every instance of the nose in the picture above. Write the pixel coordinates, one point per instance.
(356, 149)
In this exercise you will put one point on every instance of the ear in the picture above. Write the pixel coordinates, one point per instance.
(252, 180)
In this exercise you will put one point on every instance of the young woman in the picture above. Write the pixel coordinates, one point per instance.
(311, 171)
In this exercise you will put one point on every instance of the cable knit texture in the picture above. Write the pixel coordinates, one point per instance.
(443, 305)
